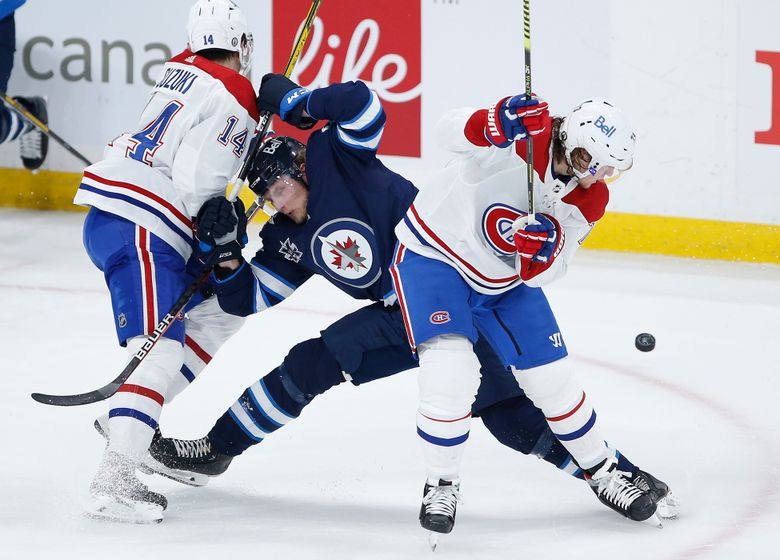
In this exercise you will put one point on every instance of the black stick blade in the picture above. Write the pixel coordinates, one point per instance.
(77, 400)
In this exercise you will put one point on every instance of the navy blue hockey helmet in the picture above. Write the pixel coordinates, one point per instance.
(277, 157)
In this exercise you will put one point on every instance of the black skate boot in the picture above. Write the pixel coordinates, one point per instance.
(149, 465)
(667, 505)
(437, 512)
(190, 455)
(616, 490)
(34, 144)
(118, 495)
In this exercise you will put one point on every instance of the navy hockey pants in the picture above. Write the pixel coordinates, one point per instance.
(370, 344)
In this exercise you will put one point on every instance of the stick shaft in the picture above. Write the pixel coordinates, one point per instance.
(239, 181)
(43, 127)
(529, 153)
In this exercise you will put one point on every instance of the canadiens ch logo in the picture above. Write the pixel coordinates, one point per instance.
(439, 317)
(290, 251)
(497, 227)
(345, 249)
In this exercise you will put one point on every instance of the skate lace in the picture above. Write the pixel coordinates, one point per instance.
(192, 448)
(30, 144)
(442, 500)
(618, 490)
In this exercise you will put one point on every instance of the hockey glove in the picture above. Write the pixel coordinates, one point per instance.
(514, 118)
(221, 226)
(538, 244)
(281, 96)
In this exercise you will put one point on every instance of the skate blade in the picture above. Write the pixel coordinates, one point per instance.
(107, 508)
(655, 521)
(433, 540)
(190, 479)
(183, 477)
(668, 507)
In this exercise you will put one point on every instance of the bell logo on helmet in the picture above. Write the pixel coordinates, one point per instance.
(601, 124)
(271, 146)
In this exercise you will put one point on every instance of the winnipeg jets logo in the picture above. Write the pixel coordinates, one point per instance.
(346, 250)
(290, 251)
(497, 227)
(346, 255)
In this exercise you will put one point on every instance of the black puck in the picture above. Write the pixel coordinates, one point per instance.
(644, 342)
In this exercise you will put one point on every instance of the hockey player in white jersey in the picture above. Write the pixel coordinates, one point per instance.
(143, 196)
(468, 260)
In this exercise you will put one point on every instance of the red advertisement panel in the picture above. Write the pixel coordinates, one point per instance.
(377, 42)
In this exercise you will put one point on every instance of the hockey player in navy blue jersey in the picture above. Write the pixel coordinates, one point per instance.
(337, 207)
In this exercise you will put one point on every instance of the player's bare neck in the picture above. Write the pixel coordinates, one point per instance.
(233, 63)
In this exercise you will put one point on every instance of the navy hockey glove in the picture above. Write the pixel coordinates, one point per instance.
(221, 226)
(538, 244)
(281, 96)
(514, 118)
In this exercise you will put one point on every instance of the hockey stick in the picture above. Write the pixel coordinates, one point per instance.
(107, 390)
(32, 119)
(529, 153)
(239, 181)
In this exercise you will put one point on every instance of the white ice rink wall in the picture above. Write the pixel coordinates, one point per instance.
(700, 80)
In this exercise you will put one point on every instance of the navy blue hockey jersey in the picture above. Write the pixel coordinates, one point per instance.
(354, 204)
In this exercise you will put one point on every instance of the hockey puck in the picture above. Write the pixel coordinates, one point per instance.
(644, 342)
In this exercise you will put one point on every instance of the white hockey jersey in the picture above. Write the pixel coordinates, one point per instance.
(464, 215)
(190, 141)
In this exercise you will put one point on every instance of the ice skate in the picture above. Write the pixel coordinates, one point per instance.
(149, 465)
(616, 490)
(118, 495)
(437, 512)
(34, 144)
(667, 505)
(195, 457)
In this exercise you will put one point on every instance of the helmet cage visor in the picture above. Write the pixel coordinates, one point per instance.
(246, 48)
(272, 172)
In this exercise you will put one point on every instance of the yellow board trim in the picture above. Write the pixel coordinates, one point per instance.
(41, 190)
(686, 237)
(616, 231)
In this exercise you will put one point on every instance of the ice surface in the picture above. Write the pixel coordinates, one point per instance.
(345, 480)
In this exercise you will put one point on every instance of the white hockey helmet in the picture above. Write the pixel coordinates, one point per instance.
(602, 130)
(220, 24)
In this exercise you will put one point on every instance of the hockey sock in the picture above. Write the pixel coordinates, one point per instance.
(12, 125)
(553, 389)
(448, 381)
(261, 409)
(135, 408)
